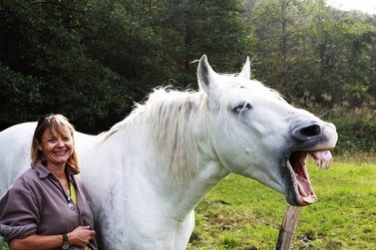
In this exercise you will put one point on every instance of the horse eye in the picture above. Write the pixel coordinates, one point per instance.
(242, 106)
(248, 106)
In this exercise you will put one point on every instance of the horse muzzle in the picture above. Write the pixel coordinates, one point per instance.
(309, 139)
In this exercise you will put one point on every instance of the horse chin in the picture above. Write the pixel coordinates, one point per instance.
(299, 191)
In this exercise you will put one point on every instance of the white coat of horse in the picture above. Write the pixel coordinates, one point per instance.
(146, 174)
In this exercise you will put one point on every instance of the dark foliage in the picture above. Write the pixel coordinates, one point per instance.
(91, 60)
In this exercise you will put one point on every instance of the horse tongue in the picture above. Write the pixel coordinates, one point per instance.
(305, 189)
(323, 158)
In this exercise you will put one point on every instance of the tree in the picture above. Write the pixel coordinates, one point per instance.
(313, 53)
(90, 60)
(192, 28)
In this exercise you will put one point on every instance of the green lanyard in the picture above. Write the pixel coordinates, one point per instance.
(73, 195)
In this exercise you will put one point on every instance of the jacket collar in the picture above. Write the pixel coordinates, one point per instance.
(43, 172)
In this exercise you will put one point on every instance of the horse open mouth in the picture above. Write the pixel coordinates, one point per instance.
(296, 163)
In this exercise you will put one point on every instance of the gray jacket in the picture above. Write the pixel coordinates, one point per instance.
(36, 203)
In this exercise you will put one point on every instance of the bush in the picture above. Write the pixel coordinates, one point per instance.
(356, 129)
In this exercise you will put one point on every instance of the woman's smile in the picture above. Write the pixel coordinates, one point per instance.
(57, 148)
(60, 153)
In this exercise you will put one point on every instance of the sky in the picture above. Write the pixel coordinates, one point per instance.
(368, 6)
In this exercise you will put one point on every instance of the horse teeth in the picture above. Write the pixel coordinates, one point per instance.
(318, 163)
(322, 163)
(323, 159)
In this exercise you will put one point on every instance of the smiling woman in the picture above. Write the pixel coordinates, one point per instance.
(38, 210)
(53, 145)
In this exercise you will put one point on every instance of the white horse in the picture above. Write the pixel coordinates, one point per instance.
(146, 174)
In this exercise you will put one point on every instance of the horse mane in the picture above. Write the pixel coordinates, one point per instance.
(172, 115)
(169, 115)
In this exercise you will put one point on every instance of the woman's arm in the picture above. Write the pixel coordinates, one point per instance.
(79, 238)
(37, 242)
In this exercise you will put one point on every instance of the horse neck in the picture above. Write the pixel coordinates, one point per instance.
(150, 166)
(184, 184)
(184, 195)
(150, 182)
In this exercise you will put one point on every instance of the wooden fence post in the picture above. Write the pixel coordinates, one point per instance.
(289, 223)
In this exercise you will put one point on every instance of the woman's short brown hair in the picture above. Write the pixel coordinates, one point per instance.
(60, 124)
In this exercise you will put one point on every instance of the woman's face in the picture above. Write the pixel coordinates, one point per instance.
(56, 148)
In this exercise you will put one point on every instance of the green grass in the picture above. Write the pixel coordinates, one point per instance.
(240, 213)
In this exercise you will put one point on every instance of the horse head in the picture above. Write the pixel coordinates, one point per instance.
(256, 133)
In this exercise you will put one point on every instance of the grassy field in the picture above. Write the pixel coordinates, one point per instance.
(242, 214)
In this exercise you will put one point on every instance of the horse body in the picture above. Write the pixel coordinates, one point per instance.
(145, 176)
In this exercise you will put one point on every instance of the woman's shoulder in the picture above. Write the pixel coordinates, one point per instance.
(28, 179)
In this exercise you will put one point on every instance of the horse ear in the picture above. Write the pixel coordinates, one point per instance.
(204, 74)
(246, 71)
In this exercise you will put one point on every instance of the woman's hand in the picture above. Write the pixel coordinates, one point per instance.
(80, 236)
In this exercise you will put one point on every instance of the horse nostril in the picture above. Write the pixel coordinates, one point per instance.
(306, 132)
(312, 130)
